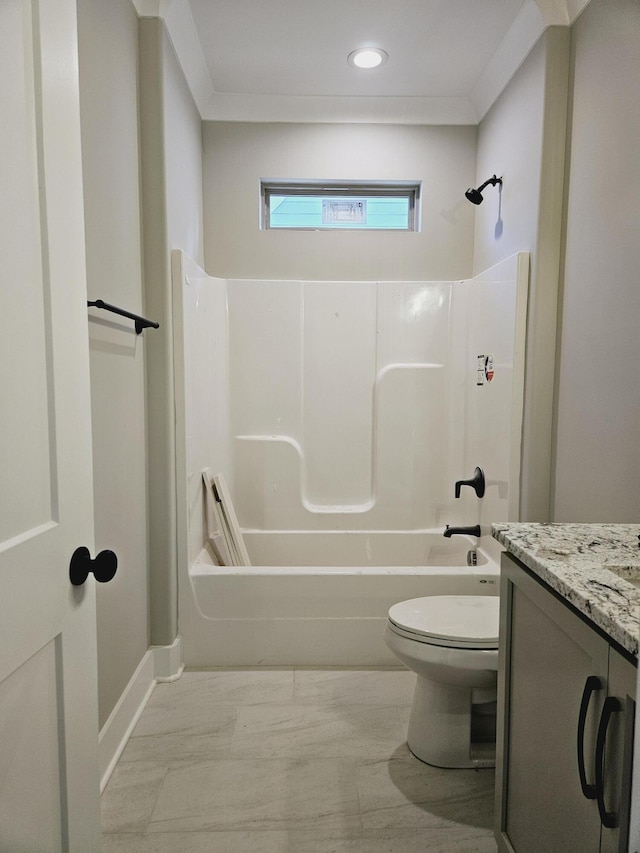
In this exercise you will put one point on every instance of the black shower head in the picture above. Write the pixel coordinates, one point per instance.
(475, 196)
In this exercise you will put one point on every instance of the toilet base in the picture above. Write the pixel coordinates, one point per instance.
(441, 723)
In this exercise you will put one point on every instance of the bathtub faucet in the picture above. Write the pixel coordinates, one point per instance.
(465, 531)
(477, 483)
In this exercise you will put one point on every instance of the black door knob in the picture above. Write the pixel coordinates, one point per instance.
(103, 567)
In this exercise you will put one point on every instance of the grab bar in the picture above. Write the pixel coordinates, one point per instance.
(140, 322)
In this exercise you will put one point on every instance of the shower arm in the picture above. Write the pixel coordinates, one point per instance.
(493, 181)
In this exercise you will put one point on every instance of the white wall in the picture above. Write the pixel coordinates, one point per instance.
(172, 191)
(597, 475)
(522, 139)
(238, 155)
(108, 52)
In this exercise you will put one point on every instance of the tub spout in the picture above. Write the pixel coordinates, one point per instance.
(465, 531)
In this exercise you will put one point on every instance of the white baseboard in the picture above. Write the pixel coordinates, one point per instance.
(160, 663)
(167, 661)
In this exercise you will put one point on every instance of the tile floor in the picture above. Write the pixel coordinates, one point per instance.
(288, 761)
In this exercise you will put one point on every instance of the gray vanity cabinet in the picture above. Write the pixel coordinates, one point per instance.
(556, 672)
(619, 753)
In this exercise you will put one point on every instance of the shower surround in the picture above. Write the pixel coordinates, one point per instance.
(340, 407)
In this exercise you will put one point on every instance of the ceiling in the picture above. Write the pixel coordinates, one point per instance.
(286, 60)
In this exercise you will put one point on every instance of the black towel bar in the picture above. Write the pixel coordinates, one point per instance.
(141, 322)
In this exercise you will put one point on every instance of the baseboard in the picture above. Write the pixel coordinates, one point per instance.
(167, 660)
(159, 663)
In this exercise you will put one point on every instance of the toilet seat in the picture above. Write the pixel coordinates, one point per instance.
(455, 621)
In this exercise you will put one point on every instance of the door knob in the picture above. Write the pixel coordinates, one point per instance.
(103, 567)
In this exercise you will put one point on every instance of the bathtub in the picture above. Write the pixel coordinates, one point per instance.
(320, 598)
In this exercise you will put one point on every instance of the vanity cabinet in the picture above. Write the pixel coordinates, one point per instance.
(565, 726)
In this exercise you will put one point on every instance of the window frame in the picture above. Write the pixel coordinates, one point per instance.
(411, 190)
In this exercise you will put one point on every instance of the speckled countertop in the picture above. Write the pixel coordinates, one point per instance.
(587, 565)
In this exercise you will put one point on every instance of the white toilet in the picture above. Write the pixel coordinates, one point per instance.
(451, 643)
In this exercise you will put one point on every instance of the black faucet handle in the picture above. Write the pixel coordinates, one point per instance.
(477, 483)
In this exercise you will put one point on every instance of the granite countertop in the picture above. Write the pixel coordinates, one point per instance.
(593, 566)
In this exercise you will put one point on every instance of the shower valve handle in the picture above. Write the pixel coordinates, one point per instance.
(477, 483)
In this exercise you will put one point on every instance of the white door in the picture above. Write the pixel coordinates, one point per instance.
(49, 786)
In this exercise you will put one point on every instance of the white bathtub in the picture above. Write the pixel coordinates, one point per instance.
(321, 598)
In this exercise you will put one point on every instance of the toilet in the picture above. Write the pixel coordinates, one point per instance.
(451, 643)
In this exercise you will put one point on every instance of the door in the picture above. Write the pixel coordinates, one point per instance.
(49, 785)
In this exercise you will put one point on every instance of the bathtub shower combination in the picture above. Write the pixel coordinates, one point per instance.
(341, 415)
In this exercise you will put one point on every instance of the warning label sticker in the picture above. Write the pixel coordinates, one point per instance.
(485, 370)
(488, 368)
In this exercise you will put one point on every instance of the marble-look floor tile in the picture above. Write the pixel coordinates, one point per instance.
(174, 748)
(405, 792)
(310, 730)
(366, 841)
(398, 840)
(187, 717)
(354, 687)
(129, 798)
(226, 687)
(176, 733)
(288, 761)
(258, 794)
(199, 842)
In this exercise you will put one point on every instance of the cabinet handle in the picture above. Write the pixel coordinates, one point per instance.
(612, 706)
(592, 684)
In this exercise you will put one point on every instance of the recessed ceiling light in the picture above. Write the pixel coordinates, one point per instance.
(367, 57)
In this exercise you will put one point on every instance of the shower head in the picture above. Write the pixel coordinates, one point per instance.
(475, 196)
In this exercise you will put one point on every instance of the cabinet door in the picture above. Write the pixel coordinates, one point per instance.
(547, 653)
(617, 753)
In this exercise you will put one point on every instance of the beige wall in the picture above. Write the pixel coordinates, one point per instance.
(580, 460)
(522, 139)
(238, 155)
(139, 123)
(183, 160)
(108, 44)
(597, 476)
(172, 191)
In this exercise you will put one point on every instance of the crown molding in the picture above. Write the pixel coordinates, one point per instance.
(533, 18)
(525, 31)
(360, 110)
(147, 8)
(560, 13)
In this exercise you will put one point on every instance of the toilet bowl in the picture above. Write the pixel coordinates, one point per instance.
(451, 643)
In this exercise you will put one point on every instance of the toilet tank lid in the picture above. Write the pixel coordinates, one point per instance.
(465, 618)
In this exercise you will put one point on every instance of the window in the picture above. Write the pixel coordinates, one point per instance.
(318, 206)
